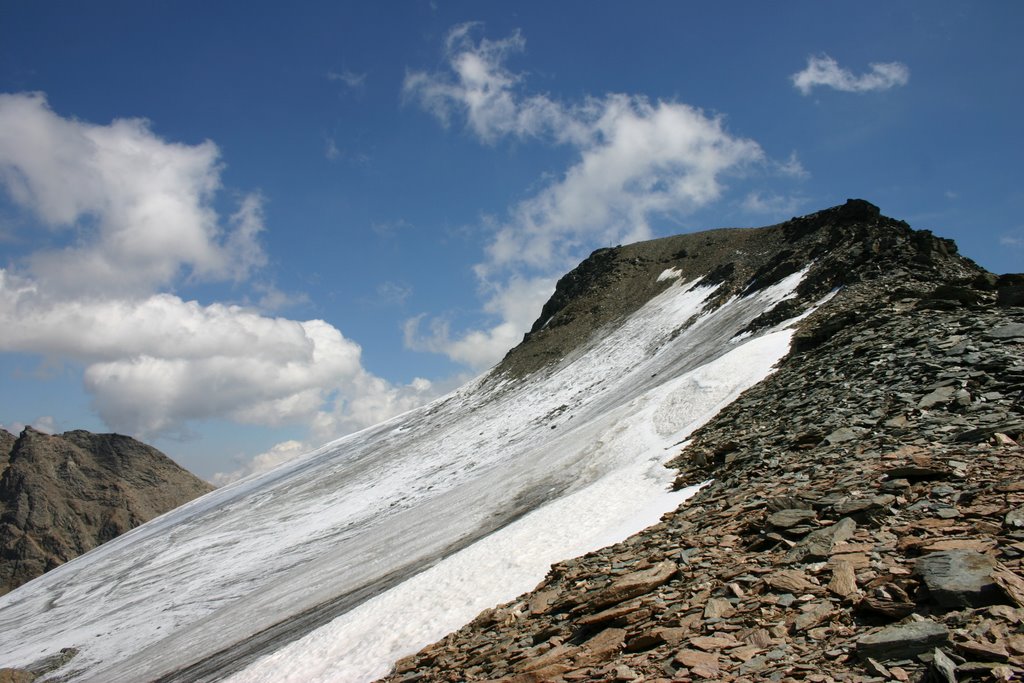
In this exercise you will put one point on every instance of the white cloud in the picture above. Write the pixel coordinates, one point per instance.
(142, 212)
(154, 363)
(825, 71)
(1013, 240)
(771, 204)
(393, 293)
(331, 150)
(483, 90)
(644, 161)
(637, 161)
(140, 207)
(273, 299)
(370, 399)
(349, 78)
(263, 462)
(515, 305)
(793, 167)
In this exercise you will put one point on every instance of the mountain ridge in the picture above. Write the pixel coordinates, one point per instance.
(841, 245)
(62, 495)
(851, 490)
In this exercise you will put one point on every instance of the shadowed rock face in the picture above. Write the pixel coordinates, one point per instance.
(61, 495)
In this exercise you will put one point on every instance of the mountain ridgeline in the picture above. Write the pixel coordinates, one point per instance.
(853, 388)
(839, 246)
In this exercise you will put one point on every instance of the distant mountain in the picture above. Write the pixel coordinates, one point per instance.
(851, 385)
(62, 495)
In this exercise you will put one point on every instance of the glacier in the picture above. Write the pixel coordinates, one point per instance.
(335, 565)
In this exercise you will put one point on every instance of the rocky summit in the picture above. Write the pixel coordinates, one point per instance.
(61, 495)
(863, 516)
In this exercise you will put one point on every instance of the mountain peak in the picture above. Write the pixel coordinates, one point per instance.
(64, 494)
(838, 246)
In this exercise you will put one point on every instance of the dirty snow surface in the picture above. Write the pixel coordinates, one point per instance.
(335, 565)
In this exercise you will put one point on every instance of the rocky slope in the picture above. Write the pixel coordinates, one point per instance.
(61, 495)
(865, 519)
(7, 441)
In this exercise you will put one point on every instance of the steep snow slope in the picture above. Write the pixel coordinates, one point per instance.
(382, 541)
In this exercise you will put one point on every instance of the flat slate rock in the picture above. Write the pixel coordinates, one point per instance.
(902, 641)
(786, 519)
(959, 578)
(1010, 331)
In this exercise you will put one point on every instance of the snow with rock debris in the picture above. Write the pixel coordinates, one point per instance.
(385, 540)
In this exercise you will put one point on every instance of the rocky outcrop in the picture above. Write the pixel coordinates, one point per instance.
(61, 495)
(839, 246)
(865, 516)
(7, 441)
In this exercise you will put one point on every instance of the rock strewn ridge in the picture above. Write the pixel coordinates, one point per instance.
(840, 246)
(866, 521)
(62, 495)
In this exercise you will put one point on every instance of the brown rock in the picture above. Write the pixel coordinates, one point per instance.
(791, 517)
(1011, 584)
(632, 585)
(1015, 643)
(710, 643)
(988, 652)
(791, 581)
(844, 581)
(759, 638)
(718, 608)
(812, 614)
(553, 656)
(610, 614)
(693, 659)
(547, 674)
(16, 676)
(601, 647)
(1007, 613)
(818, 545)
(539, 602)
(902, 641)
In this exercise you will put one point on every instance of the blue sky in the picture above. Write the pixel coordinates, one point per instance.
(237, 230)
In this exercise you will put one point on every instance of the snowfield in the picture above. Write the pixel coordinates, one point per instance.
(335, 565)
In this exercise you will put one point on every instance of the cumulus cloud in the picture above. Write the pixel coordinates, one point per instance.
(263, 462)
(141, 211)
(155, 363)
(823, 71)
(480, 88)
(139, 207)
(515, 304)
(635, 161)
